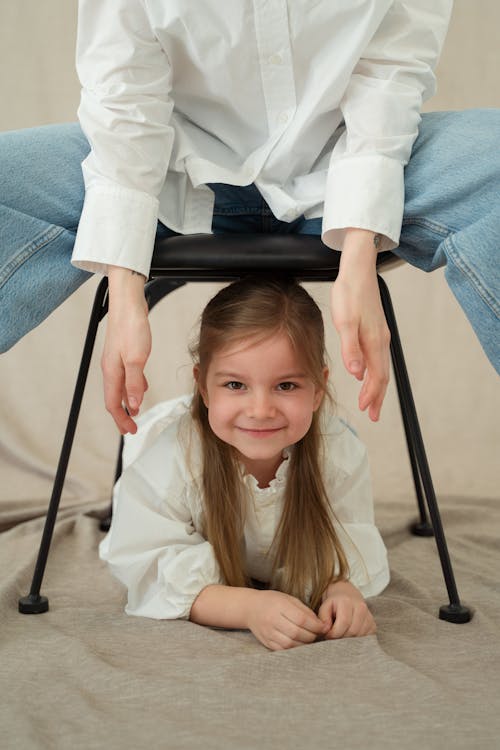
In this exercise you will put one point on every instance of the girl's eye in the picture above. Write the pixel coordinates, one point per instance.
(287, 387)
(234, 385)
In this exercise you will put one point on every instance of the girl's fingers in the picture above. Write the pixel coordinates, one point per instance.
(295, 632)
(370, 625)
(299, 614)
(282, 640)
(299, 623)
(326, 616)
(359, 622)
(360, 619)
(343, 620)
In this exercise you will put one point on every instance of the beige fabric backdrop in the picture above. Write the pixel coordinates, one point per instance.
(455, 387)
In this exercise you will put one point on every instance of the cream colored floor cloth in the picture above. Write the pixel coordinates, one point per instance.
(85, 675)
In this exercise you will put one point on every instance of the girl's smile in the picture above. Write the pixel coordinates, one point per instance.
(259, 433)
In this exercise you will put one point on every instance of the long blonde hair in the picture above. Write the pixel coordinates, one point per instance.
(306, 551)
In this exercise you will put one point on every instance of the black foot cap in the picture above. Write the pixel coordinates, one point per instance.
(105, 524)
(455, 613)
(421, 529)
(33, 605)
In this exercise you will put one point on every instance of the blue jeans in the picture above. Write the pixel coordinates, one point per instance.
(451, 218)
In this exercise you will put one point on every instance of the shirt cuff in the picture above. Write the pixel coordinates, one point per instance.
(117, 228)
(366, 192)
(164, 587)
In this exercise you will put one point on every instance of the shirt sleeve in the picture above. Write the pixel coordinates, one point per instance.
(350, 490)
(381, 109)
(152, 546)
(125, 111)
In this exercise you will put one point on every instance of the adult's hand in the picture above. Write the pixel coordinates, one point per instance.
(359, 318)
(127, 347)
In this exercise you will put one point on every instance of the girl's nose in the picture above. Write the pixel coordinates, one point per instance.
(261, 407)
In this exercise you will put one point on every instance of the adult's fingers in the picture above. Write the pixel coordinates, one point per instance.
(364, 336)
(373, 392)
(134, 385)
(126, 350)
(114, 386)
(352, 354)
(374, 388)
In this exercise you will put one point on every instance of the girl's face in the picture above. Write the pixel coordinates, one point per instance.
(260, 401)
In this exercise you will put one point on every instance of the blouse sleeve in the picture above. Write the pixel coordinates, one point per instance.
(350, 491)
(153, 546)
(381, 109)
(125, 112)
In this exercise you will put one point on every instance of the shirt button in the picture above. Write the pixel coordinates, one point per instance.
(290, 216)
(283, 116)
(276, 59)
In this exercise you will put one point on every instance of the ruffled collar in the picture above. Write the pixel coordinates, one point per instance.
(275, 484)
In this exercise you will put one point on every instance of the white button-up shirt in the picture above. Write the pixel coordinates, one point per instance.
(317, 102)
(156, 545)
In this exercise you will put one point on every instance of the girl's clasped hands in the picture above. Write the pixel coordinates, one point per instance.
(281, 621)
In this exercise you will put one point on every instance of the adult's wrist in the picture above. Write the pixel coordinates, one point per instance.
(126, 285)
(359, 252)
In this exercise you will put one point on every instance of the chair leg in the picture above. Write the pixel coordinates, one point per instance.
(454, 611)
(422, 527)
(34, 603)
(106, 521)
(158, 288)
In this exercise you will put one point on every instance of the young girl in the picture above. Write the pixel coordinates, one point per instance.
(245, 507)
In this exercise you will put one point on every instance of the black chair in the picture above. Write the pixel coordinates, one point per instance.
(196, 258)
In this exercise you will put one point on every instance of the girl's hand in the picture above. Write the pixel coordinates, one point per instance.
(281, 621)
(127, 347)
(358, 316)
(345, 613)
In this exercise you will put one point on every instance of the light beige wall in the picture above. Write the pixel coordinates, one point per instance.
(455, 388)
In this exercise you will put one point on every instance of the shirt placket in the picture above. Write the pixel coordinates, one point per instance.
(275, 62)
(277, 75)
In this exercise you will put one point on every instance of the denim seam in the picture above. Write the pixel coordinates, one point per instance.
(29, 250)
(476, 282)
(441, 229)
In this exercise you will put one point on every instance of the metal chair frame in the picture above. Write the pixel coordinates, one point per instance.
(200, 258)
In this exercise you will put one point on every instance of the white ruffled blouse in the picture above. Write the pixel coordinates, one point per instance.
(155, 545)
